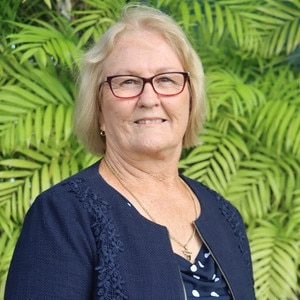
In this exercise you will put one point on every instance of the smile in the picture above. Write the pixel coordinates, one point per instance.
(150, 121)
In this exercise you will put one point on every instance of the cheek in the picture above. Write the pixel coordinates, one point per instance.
(115, 113)
(185, 112)
(185, 106)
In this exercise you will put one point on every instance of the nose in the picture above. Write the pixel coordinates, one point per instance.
(148, 98)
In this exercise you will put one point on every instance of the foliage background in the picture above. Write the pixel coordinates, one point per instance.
(251, 151)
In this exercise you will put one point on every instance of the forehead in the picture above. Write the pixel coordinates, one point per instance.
(142, 51)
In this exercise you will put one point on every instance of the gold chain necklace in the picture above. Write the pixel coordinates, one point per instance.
(186, 252)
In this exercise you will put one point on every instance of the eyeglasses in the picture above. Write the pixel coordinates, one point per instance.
(164, 84)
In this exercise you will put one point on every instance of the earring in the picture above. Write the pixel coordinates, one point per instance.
(102, 132)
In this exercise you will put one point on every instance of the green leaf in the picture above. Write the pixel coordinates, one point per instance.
(47, 125)
(19, 163)
(59, 123)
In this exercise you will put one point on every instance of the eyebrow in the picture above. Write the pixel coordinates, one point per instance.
(137, 73)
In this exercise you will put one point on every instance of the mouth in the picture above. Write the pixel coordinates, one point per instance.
(149, 121)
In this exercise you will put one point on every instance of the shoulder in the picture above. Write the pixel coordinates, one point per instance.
(75, 183)
(68, 197)
(66, 210)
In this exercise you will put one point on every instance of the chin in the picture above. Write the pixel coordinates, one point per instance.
(156, 147)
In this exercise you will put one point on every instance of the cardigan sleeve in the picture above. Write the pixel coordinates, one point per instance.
(54, 256)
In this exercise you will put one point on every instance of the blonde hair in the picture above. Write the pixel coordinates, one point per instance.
(135, 17)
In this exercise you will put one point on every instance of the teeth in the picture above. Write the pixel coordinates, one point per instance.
(149, 121)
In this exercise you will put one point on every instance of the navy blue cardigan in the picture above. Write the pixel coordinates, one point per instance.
(81, 239)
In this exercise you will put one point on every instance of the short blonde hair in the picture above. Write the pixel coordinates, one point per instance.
(135, 17)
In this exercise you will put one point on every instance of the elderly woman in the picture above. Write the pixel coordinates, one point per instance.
(130, 226)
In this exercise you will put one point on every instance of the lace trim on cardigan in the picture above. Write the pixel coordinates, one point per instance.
(110, 283)
(234, 220)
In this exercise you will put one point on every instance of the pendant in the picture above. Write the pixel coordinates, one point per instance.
(187, 254)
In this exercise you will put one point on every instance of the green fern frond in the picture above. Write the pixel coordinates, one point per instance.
(44, 43)
(216, 161)
(228, 92)
(275, 255)
(89, 25)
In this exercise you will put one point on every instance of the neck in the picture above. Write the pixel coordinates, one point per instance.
(145, 170)
(152, 209)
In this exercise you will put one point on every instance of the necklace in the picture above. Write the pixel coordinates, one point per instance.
(186, 252)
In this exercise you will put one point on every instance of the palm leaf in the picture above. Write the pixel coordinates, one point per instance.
(90, 24)
(227, 91)
(251, 24)
(283, 20)
(215, 162)
(274, 255)
(44, 41)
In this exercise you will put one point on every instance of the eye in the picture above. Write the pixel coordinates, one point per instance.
(165, 80)
(128, 81)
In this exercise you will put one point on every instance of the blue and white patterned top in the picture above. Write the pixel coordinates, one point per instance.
(203, 279)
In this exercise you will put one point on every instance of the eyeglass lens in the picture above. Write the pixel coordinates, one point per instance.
(166, 84)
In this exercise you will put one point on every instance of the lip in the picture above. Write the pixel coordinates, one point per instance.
(149, 121)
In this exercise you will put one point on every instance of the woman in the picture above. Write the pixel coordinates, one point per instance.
(130, 226)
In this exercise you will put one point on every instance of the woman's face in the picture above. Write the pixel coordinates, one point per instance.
(149, 124)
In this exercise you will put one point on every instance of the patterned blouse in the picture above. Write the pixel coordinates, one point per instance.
(203, 279)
